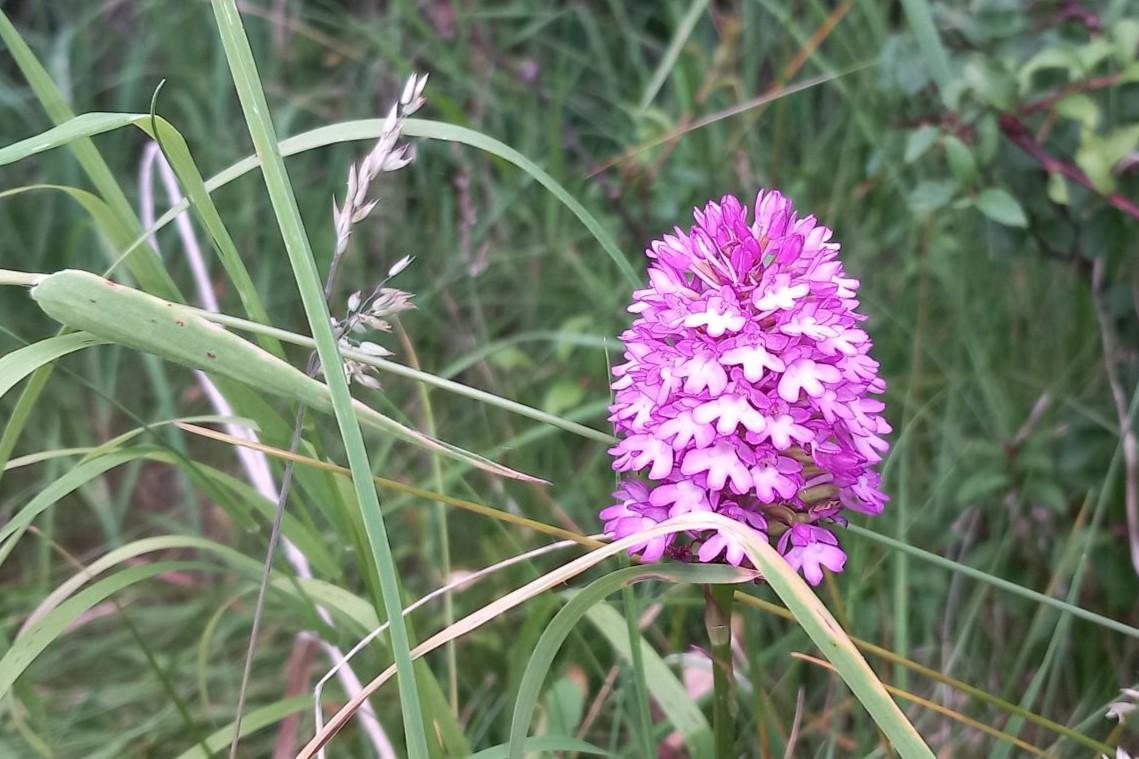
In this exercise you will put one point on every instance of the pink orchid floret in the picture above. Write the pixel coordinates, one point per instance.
(747, 390)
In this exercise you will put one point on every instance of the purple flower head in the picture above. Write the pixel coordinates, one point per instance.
(747, 389)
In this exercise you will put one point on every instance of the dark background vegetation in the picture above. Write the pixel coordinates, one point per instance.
(979, 173)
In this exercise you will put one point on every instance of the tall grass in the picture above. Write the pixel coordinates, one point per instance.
(997, 604)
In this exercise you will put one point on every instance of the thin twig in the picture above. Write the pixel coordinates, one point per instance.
(1086, 85)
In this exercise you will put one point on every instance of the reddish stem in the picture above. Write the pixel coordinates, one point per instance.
(1018, 134)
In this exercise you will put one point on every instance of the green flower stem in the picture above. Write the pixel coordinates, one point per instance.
(718, 621)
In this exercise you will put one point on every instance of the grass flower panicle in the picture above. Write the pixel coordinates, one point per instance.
(369, 312)
(748, 389)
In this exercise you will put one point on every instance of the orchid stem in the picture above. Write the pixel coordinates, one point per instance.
(718, 621)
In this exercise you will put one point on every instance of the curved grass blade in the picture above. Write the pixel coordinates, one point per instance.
(1004, 737)
(20, 363)
(684, 715)
(255, 720)
(410, 490)
(81, 474)
(543, 744)
(809, 612)
(668, 60)
(418, 375)
(348, 605)
(39, 636)
(88, 124)
(958, 685)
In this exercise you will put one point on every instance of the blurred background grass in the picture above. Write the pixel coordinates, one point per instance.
(976, 266)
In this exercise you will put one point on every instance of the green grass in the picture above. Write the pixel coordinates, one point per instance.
(973, 326)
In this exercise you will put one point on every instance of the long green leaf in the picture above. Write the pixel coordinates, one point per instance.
(811, 615)
(243, 69)
(668, 60)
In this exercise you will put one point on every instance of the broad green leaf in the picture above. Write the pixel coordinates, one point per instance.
(1098, 154)
(1092, 53)
(1058, 56)
(1079, 108)
(1125, 35)
(1058, 188)
(960, 160)
(931, 195)
(565, 705)
(919, 141)
(562, 395)
(1001, 207)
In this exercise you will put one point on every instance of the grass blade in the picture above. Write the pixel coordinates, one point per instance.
(668, 60)
(18, 364)
(920, 16)
(259, 718)
(244, 72)
(684, 715)
(809, 612)
(43, 633)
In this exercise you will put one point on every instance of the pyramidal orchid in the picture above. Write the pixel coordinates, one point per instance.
(747, 390)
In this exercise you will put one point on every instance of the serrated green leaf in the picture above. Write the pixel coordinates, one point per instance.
(563, 395)
(1060, 56)
(919, 141)
(1058, 189)
(1125, 36)
(931, 195)
(1001, 207)
(1080, 108)
(979, 485)
(961, 161)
